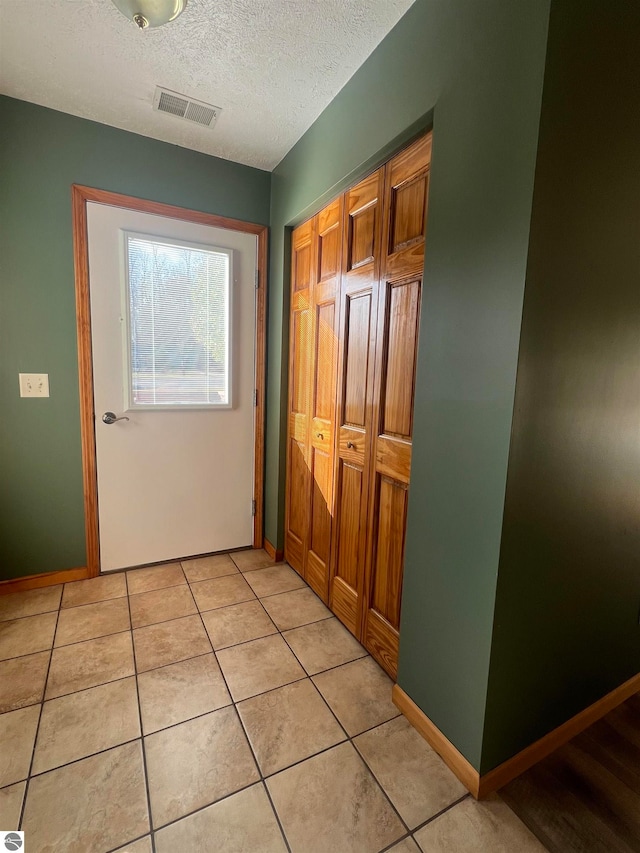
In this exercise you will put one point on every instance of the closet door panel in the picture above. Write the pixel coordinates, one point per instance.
(356, 355)
(300, 339)
(383, 616)
(301, 260)
(329, 241)
(325, 341)
(362, 233)
(300, 351)
(344, 599)
(299, 487)
(402, 314)
(408, 208)
(321, 444)
(322, 477)
(407, 191)
(391, 498)
(351, 477)
(398, 321)
(324, 368)
(358, 308)
(400, 306)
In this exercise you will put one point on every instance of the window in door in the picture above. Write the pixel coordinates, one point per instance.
(178, 309)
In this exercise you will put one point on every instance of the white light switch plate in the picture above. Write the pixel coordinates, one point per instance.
(34, 384)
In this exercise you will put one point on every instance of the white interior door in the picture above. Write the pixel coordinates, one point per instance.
(173, 336)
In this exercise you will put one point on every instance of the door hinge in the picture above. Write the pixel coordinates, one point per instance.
(257, 279)
(254, 508)
(255, 397)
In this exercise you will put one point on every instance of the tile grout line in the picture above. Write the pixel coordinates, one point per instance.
(123, 847)
(273, 808)
(441, 812)
(142, 743)
(97, 601)
(297, 627)
(42, 701)
(83, 757)
(249, 744)
(262, 778)
(407, 837)
(163, 622)
(113, 633)
(202, 808)
(350, 738)
(346, 739)
(284, 592)
(155, 588)
(28, 655)
(176, 619)
(135, 674)
(28, 616)
(305, 675)
(66, 646)
(204, 713)
(231, 702)
(277, 631)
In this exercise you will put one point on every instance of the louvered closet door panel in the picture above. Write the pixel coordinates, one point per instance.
(300, 353)
(362, 234)
(326, 289)
(398, 319)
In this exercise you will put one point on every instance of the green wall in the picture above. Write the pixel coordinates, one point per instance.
(477, 69)
(566, 624)
(42, 153)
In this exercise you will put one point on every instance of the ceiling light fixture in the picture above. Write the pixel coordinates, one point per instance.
(150, 13)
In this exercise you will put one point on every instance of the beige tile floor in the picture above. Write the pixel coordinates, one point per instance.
(215, 705)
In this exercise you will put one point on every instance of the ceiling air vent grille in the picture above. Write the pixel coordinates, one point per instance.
(181, 106)
(172, 104)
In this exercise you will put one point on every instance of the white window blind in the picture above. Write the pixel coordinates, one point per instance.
(179, 304)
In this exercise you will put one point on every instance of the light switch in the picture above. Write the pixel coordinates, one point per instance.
(34, 384)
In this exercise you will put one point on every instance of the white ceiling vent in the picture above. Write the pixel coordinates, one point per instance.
(181, 106)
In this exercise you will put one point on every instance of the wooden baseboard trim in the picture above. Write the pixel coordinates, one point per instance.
(276, 556)
(451, 756)
(513, 767)
(482, 786)
(46, 579)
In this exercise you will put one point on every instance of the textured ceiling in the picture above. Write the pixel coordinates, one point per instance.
(271, 65)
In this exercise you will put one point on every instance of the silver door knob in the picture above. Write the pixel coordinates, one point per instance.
(111, 418)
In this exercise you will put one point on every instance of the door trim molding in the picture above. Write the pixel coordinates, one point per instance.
(80, 195)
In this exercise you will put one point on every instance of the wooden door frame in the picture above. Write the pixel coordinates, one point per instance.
(80, 196)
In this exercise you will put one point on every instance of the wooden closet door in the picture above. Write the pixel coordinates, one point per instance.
(300, 350)
(324, 301)
(358, 308)
(398, 318)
